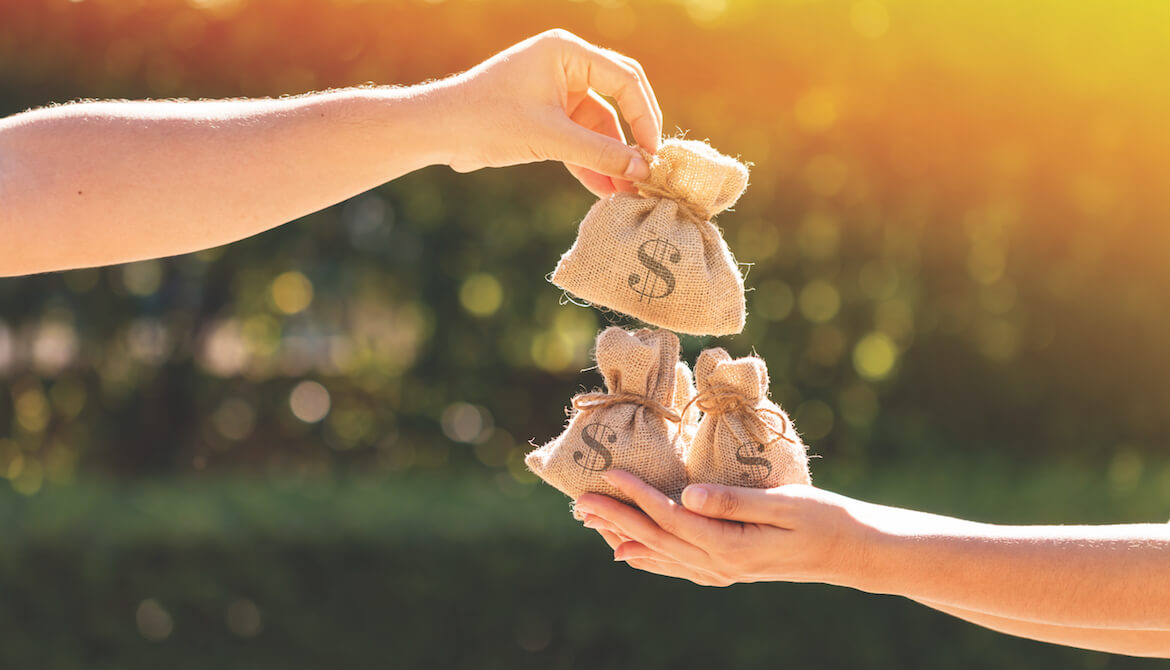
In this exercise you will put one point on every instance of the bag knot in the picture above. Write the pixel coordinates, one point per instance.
(727, 400)
(699, 179)
(584, 402)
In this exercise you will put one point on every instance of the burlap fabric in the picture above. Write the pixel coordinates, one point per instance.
(633, 426)
(656, 256)
(688, 411)
(744, 439)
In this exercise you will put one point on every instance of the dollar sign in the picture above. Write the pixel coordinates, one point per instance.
(599, 458)
(651, 254)
(752, 462)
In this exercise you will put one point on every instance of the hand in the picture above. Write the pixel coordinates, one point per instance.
(790, 533)
(539, 101)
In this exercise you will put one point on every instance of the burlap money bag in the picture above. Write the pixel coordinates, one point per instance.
(633, 426)
(744, 439)
(656, 256)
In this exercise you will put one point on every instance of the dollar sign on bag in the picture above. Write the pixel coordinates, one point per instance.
(751, 463)
(652, 254)
(599, 458)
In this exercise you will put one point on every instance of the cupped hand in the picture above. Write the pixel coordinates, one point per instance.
(722, 535)
(541, 100)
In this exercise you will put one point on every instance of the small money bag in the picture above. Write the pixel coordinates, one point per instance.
(656, 255)
(744, 439)
(633, 426)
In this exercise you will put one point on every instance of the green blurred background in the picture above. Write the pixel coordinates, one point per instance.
(305, 449)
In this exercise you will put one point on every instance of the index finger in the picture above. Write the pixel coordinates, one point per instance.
(609, 74)
(646, 85)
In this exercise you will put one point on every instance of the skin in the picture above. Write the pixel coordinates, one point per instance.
(97, 183)
(1098, 587)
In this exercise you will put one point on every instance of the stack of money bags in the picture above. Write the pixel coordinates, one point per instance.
(658, 257)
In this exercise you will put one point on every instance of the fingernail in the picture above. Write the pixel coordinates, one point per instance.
(607, 476)
(694, 497)
(638, 169)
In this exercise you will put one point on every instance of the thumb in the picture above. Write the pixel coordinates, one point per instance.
(577, 145)
(769, 506)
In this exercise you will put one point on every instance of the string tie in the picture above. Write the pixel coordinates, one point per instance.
(727, 400)
(595, 400)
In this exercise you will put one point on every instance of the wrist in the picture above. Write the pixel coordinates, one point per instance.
(862, 554)
(877, 553)
(412, 127)
(439, 105)
(901, 549)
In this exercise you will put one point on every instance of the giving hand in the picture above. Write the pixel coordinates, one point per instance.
(539, 100)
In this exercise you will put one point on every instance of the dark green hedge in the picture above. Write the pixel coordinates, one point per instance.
(445, 573)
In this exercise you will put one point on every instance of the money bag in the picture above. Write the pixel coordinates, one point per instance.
(656, 255)
(743, 438)
(632, 426)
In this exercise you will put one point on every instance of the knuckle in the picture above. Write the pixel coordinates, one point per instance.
(613, 158)
(629, 78)
(635, 66)
(669, 524)
(558, 35)
(726, 503)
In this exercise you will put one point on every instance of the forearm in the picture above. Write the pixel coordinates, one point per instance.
(1155, 643)
(107, 182)
(1090, 576)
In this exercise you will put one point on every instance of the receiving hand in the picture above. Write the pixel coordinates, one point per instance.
(539, 100)
(790, 533)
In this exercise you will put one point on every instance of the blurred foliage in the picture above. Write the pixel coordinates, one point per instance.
(444, 571)
(954, 234)
(953, 230)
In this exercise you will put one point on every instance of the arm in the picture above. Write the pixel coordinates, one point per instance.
(1096, 586)
(107, 182)
(1112, 576)
(1155, 643)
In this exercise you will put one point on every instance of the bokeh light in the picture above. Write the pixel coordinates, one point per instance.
(154, 622)
(292, 292)
(464, 422)
(481, 294)
(242, 617)
(142, 278)
(874, 356)
(819, 301)
(309, 401)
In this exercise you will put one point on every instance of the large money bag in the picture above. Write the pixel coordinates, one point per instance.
(743, 439)
(633, 426)
(656, 256)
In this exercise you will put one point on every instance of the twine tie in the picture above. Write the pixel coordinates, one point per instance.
(597, 400)
(726, 400)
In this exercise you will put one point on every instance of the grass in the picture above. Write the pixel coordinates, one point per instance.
(475, 571)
